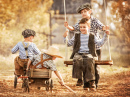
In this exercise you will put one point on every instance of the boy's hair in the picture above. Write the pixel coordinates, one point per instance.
(28, 32)
(83, 21)
(84, 6)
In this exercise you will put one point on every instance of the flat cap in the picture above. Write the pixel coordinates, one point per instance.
(28, 32)
(84, 6)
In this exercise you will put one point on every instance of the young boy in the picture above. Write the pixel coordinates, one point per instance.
(26, 50)
(51, 54)
(85, 10)
(84, 51)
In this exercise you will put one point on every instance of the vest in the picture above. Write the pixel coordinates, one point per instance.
(91, 45)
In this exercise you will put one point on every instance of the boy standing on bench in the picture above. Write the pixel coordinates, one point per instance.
(86, 10)
(26, 50)
(84, 50)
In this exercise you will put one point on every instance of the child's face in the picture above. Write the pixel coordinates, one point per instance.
(84, 28)
(86, 13)
(31, 38)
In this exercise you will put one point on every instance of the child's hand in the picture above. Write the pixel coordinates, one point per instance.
(68, 27)
(107, 32)
(106, 27)
(26, 69)
(66, 24)
(65, 33)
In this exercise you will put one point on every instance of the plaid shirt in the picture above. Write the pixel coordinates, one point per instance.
(48, 64)
(32, 50)
(95, 26)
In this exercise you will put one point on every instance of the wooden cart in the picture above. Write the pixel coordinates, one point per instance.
(36, 78)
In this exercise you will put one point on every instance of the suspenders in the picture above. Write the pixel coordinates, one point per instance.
(26, 48)
(41, 62)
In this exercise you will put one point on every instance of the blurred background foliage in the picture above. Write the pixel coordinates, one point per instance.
(18, 15)
(118, 18)
(120, 13)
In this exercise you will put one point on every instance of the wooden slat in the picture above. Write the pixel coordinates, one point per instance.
(31, 72)
(42, 70)
(40, 76)
(40, 73)
(102, 62)
(50, 72)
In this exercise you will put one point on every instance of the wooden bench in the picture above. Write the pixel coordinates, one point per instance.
(102, 62)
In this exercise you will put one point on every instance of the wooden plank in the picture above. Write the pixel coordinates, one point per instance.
(31, 71)
(102, 62)
(40, 73)
(42, 70)
(40, 76)
(50, 72)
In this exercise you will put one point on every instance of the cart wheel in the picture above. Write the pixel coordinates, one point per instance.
(15, 81)
(51, 84)
(47, 85)
(25, 85)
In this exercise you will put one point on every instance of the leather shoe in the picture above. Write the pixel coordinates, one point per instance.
(79, 84)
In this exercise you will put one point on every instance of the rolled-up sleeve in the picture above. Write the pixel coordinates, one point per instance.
(70, 42)
(36, 50)
(100, 42)
(31, 58)
(15, 49)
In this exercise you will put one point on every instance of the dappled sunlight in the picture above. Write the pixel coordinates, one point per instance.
(113, 79)
(18, 15)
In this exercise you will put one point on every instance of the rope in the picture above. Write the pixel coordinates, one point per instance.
(106, 24)
(66, 49)
(26, 48)
(64, 10)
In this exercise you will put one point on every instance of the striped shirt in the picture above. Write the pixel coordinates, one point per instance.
(84, 42)
(48, 64)
(94, 27)
(32, 50)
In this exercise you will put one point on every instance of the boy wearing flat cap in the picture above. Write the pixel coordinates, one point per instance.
(85, 10)
(45, 60)
(26, 50)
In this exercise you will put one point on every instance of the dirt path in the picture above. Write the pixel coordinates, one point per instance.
(117, 84)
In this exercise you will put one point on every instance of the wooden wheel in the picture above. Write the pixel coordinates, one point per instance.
(47, 85)
(15, 81)
(51, 84)
(25, 85)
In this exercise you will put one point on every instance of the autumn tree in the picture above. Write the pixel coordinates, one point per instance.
(18, 15)
(121, 15)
